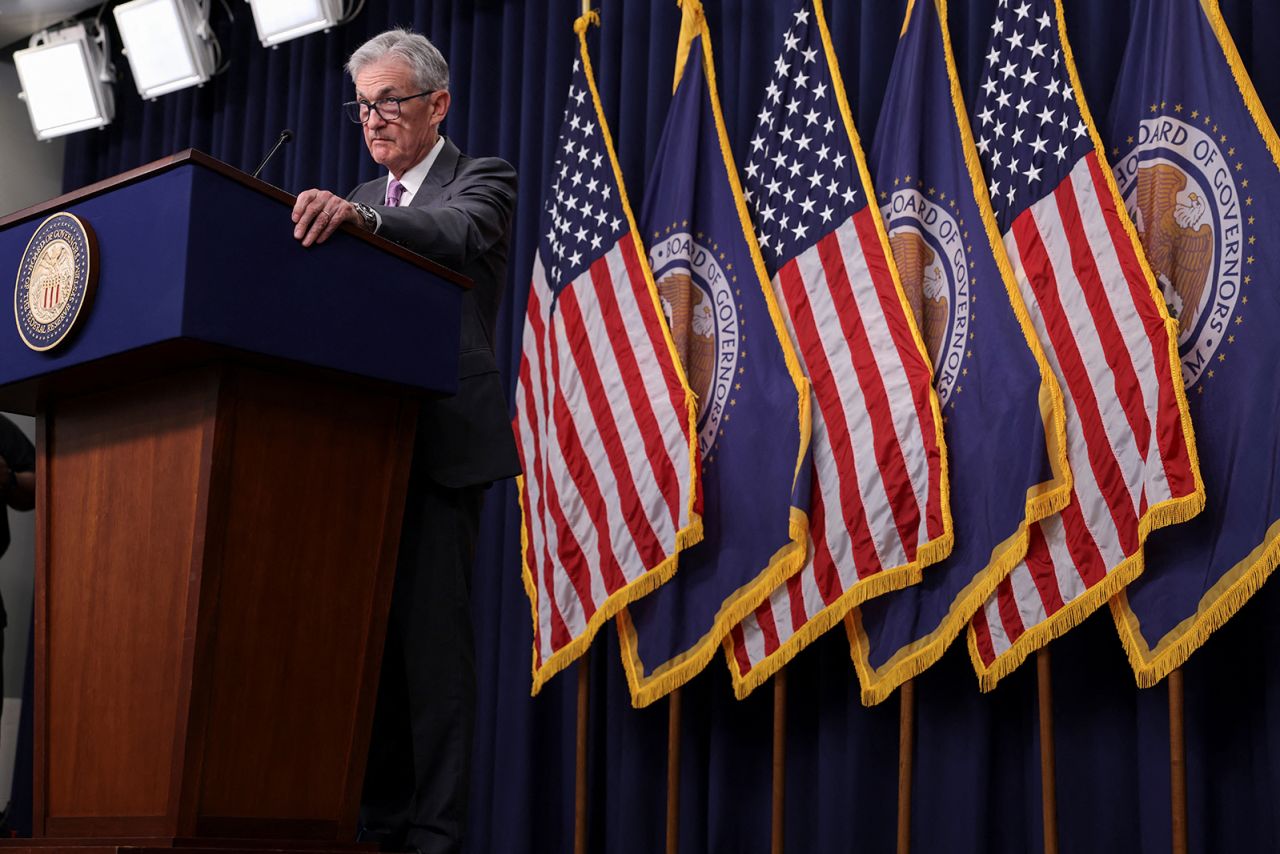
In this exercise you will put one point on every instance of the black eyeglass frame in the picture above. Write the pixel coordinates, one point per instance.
(353, 109)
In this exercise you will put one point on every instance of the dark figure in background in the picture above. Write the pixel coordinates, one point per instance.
(456, 210)
(17, 489)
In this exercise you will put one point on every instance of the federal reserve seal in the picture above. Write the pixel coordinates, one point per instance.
(1179, 183)
(929, 250)
(56, 280)
(702, 310)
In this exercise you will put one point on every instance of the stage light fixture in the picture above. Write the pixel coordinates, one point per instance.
(281, 20)
(66, 80)
(168, 43)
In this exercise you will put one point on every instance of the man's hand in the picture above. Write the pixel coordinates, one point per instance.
(318, 213)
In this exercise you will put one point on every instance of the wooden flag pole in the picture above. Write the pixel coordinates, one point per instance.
(779, 760)
(1048, 777)
(1177, 763)
(580, 766)
(906, 760)
(673, 771)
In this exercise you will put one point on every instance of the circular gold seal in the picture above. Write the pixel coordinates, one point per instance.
(56, 280)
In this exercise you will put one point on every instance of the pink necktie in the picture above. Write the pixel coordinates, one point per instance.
(394, 191)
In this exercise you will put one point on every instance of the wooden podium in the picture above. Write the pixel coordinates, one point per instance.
(223, 447)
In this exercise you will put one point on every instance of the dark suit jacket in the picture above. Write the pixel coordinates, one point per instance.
(460, 218)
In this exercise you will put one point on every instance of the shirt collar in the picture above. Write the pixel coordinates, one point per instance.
(413, 178)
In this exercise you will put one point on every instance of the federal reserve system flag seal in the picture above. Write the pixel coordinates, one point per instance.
(1197, 162)
(56, 280)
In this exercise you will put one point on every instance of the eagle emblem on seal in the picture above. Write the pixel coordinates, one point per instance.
(1179, 241)
(925, 285)
(693, 329)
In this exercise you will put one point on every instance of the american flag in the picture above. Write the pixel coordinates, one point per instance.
(1006, 439)
(604, 417)
(878, 508)
(1094, 307)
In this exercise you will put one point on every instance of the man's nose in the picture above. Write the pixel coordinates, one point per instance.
(375, 118)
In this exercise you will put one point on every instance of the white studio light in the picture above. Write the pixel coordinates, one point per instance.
(168, 44)
(281, 20)
(66, 79)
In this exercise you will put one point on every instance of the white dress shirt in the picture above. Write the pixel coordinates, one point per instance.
(412, 180)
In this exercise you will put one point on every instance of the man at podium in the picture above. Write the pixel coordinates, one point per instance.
(455, 210)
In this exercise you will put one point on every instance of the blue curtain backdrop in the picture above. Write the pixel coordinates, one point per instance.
(976, 783)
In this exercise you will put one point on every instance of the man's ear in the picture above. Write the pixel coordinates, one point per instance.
(440, 107)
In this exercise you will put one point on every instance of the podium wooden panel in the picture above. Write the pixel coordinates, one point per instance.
(218, 514)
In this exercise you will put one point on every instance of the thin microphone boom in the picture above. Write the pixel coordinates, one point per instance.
(285, 136)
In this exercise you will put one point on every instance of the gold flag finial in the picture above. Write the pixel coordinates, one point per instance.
(691, 23)
(589, 18)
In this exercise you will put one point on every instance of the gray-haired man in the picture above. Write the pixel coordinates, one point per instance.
(456, 210)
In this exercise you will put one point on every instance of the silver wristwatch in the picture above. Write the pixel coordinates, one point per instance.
(368, 218)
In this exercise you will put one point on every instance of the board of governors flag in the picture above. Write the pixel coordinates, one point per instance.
(1198, 163)
(1002, 406)
(879, 509)
(604, 417)
(753, 419)
(1104, 328)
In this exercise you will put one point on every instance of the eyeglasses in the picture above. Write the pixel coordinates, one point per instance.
(387, 108)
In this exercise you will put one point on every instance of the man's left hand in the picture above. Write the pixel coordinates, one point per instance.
(318, 213)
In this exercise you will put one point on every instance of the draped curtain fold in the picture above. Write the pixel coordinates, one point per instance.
(977, 773)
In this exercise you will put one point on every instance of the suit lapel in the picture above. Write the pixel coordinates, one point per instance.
(442, 173)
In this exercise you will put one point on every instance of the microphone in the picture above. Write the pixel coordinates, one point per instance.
(285, 136)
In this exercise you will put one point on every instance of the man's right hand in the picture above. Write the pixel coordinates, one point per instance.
(318, 213)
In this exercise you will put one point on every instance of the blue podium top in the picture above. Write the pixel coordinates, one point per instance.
(197, 258)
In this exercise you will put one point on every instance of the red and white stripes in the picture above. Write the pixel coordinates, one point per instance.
(878, 508)
(1091, 303)
(604, 429)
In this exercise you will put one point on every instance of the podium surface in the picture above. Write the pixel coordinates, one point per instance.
(223, 448)
(197, 256)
